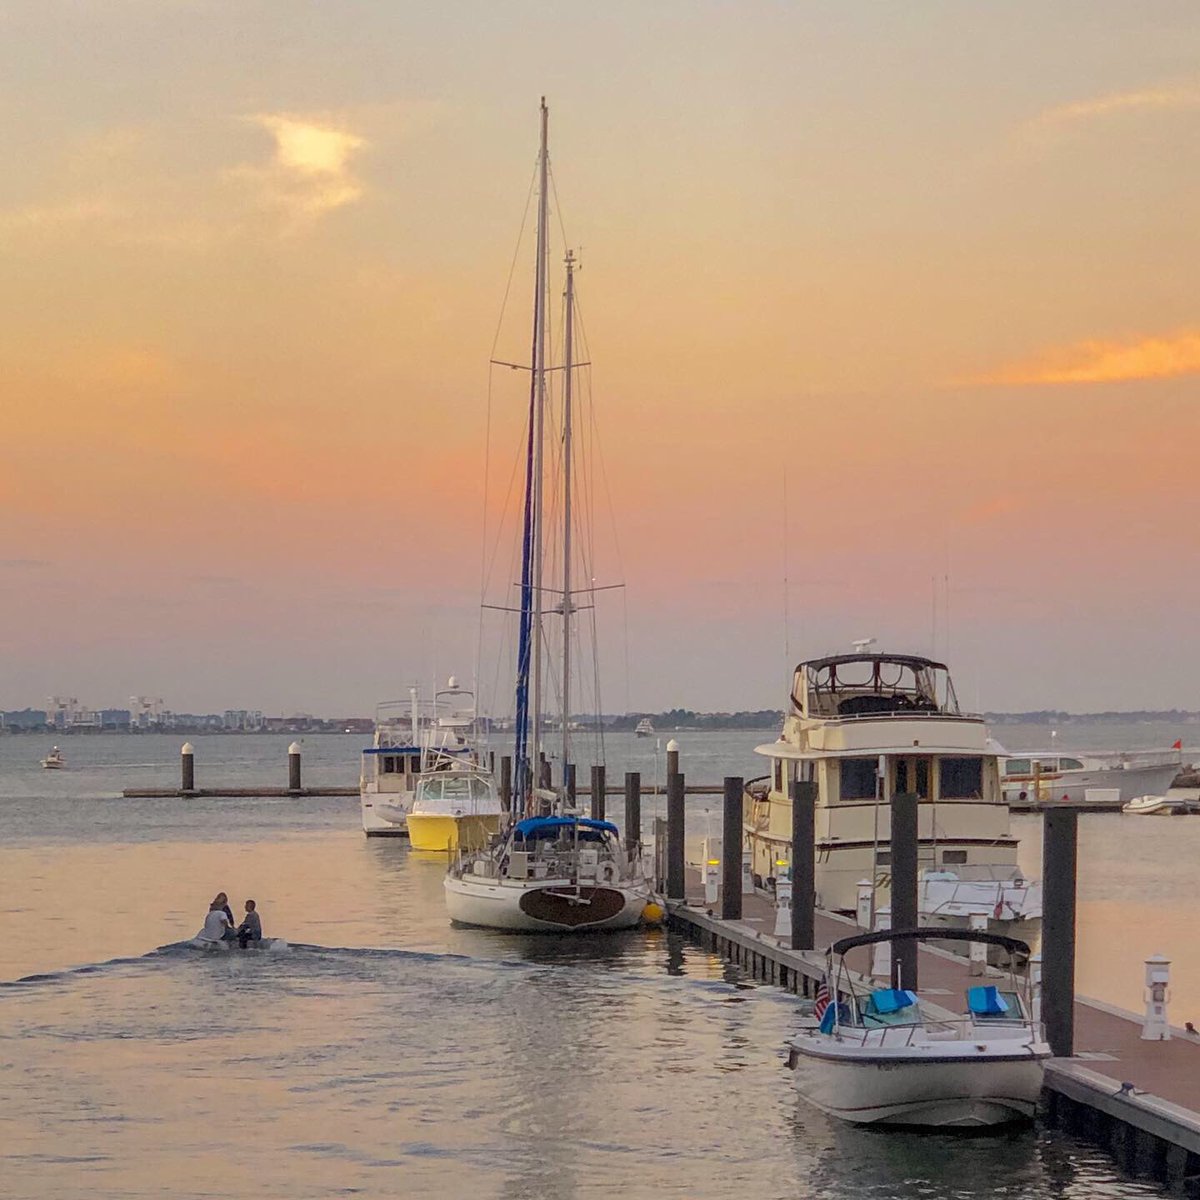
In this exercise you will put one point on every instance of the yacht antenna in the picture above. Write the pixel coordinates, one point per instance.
(568, 365)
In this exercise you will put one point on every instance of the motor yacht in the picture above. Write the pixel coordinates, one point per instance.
(864, 727)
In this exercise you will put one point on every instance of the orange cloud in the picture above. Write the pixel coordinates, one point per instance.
(1107, 362)
(1148, 99)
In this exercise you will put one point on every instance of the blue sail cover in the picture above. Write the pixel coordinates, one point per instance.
(539, 827)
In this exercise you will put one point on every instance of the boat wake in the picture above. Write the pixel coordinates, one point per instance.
(191, 950)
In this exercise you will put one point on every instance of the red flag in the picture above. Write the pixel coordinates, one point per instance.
(1177, 744)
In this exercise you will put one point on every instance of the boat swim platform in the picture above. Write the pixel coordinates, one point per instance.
(1138, 1099)
(243, 793)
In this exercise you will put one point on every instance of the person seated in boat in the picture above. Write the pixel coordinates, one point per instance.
(221, 901)
(218, 927)
(250, 930)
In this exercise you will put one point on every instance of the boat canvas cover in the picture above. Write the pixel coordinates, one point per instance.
(891, 1000)
(532, 828)
(986, 1001)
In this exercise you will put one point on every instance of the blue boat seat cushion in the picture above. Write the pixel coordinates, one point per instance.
(986, 1001)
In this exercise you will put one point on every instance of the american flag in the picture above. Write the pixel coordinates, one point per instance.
(822, 998)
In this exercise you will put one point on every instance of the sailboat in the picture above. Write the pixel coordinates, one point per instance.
(552, 869)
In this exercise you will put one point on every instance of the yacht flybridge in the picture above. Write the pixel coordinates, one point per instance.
(865, 727)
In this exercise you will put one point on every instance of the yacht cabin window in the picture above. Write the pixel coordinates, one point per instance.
(858, 778)
(1070, 764)
(954, 857)
(960, 778)
(912, 775)
(1018, 766)
(778, 775)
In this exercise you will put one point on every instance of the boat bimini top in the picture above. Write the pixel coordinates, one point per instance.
(588, 829)
(926, 934)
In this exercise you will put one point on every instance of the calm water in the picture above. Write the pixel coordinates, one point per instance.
(389, 1054)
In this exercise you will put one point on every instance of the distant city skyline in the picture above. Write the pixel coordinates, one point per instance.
(894, 302)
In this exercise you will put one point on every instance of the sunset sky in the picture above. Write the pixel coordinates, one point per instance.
(927, 269)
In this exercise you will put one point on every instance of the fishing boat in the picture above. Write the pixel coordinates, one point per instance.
(54, 761)
(552, 870)
(876, 1057)
(391, 766)
(644, 728)
(412, 738)
(862, 728)
(1046, 776)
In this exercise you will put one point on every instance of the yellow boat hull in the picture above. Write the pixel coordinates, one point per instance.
(430, 832)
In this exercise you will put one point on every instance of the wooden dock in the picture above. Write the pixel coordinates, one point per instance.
(1139, 1099)
(235, 792)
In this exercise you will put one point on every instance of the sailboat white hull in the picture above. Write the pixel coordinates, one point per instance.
(944, 1085)
(550, 906)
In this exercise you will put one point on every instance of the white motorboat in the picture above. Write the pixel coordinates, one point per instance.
(391, 766)
(552, 870)
(1043, 776)
(862, 728)
(876, 1057)
(1162, 806)
(54, 761)
(644, 728)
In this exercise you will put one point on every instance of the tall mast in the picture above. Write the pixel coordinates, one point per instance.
(539, 375)
(568, 363)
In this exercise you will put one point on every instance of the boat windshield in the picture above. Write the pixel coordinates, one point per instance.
(457, 786)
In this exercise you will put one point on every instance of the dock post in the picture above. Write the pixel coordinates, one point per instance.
(804, 876)
(732, 838)
(544, 780)
(904, 887)
(506, 782)
(978, 951)
(633, 809)
(1060, 846)
(598, 786)
(1155, 1027)
(187, 768)
(676, 863)
(492, 761)
(569, 787)
(294, 767)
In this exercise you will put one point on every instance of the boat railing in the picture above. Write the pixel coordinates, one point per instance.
(939, 1029)
(915, 714)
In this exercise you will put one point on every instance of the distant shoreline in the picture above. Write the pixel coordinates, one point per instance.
(673, 721)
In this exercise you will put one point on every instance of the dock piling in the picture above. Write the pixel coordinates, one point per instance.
(569, 784)
(1060, 837)
(598, 785)
(633, 809)
(294, 767)
(904, 887)
(731, 849)
(506, 782)
(676, 863)
(187, 768)
(804, 878)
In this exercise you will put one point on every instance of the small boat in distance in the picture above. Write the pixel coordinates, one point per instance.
(1161, 806)
(54, 761)
(644, 728)
(876, 1058)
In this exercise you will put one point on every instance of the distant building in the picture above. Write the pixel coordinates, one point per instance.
(145, 713)
(24, 719)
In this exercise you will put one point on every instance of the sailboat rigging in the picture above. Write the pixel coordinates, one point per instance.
(552, 869)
